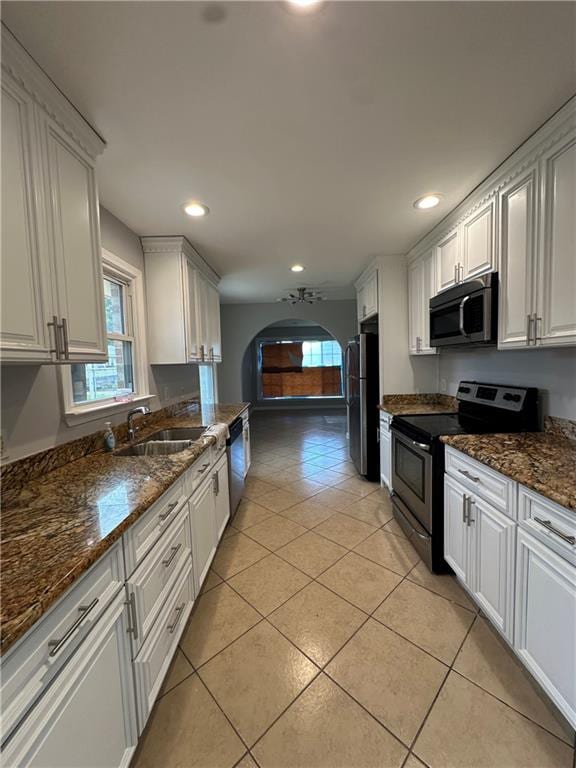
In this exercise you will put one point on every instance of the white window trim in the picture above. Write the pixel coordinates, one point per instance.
(80, 414)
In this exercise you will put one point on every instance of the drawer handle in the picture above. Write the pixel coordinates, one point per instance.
(174, 552)
(203, 468)
(133, 619)
(171, 508)
(469, 476)
(549, 527)
(84, 611)
(179, 611)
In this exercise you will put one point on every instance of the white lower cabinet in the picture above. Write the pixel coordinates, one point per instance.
(493, 555)
(86, 718)
(221, 496)
(385, 451)
(153, 660)
(522, 574)
(79, 688)
(204, 533)
(545, 636)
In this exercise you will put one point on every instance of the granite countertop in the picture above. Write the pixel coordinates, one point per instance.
(542, 461)
(403, 405)
(55, 526)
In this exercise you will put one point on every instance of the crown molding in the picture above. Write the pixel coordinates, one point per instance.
(21, 67)
(165, 244)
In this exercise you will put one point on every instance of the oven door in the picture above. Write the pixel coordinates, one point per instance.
(464, 319)
(412, 477)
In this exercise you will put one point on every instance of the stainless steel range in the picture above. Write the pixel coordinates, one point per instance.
(418, 456)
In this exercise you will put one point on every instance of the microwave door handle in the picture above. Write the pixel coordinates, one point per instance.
(461, 317)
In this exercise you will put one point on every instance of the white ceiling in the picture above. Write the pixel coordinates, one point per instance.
(308, 136)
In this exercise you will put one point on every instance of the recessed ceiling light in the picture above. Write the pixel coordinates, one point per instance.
(428, 201)
(297, 268)
(196, 209)
(303, 6)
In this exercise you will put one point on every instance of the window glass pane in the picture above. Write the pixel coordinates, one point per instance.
(206, 384)
(114, 306)
(320, 354)
(102, 381)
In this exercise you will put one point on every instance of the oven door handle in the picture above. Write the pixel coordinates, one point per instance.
(402, 437)
(461, 316)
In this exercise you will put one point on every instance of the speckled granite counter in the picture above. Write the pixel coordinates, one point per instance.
(402, 405)
(55, 526)
(543, 461)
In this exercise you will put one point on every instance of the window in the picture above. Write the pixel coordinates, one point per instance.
(115, 378)
(318, 354)
(208, 393)
(91, 390)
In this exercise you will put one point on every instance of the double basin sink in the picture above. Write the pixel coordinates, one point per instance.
(164, 442)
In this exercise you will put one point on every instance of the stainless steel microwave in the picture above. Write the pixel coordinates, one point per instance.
(466, 313)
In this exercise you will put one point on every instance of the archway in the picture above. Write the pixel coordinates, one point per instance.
(293, 362)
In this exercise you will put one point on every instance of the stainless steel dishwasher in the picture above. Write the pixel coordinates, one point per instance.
(236, 464)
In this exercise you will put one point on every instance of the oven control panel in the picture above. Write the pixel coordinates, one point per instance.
(497, 395)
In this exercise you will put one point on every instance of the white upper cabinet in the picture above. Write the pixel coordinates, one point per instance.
(517, 244)
(421, 287)
(52, 303)
(556, 297)
(448, 260)
(179, 280)
(478, 241)
(367, 295)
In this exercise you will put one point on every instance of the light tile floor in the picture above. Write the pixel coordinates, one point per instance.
(320, 640)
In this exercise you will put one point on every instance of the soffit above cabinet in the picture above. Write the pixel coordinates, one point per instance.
(179, 244)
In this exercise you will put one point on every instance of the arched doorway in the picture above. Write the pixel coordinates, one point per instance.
(293, 363)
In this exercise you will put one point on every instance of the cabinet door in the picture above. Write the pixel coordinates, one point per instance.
(370, 298)
(478, 242)
(213, 320)
(204, 539)
(361, 302)
(517, 206)
(87, 716)
(556, 308)
(415, 309)
(545, 633)
(428, 289)
(75, 230)
(455, 529)
(493, 546)
(448, 260)
(385, 455)
(25, 307)
(221, 496)
(192, 311)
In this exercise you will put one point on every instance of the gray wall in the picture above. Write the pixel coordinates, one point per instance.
(31, 395)
(242, 322)
(553, 371)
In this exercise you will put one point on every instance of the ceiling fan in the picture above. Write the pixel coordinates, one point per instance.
(302, 296)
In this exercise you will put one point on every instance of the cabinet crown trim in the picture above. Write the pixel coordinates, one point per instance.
(159, 244)
(22, 68)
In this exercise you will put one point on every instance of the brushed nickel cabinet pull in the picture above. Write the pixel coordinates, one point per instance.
(529, 320)
(469, 476)
(549, 527)
(65, 343)
(174, 551)
(169, 510)
(469, 518)
(464, 512)
(203, 468)
(179, 611)
(133, 618)
(57, 346)
(84, 611)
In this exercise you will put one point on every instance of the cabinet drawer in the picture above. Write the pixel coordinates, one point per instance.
(151, 664)
(141, 537)
(153, 580)
(198, 471)
(385, 419)
(552, 524)
(490, 485)
(29, 667)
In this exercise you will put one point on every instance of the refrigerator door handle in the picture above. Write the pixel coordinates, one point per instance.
(363, 427)
(347, 374)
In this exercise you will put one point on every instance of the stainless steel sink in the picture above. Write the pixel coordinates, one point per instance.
(178, 433)
(155, 448)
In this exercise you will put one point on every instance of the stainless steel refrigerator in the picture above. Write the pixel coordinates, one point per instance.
(362, 397)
